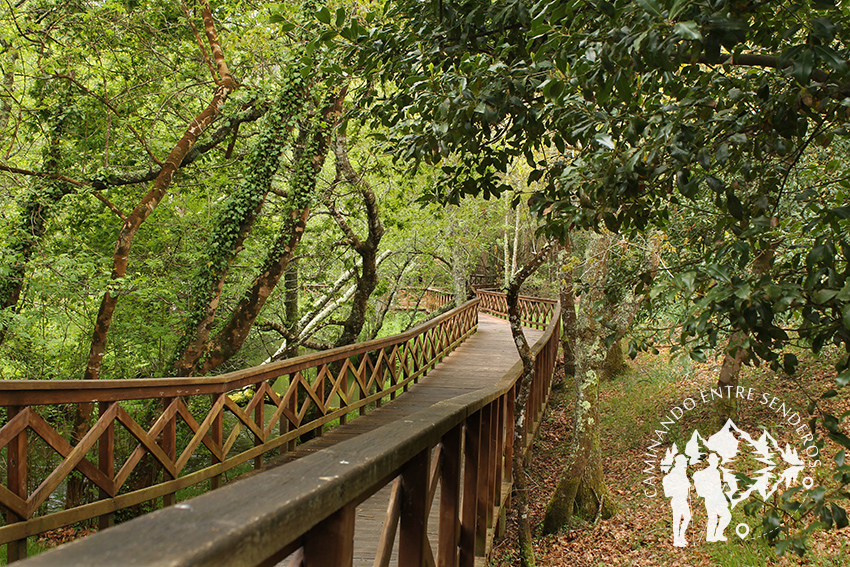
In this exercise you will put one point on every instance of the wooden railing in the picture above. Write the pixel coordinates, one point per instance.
(535, 312)
(428, 299)
(195, 419)
(462, 447)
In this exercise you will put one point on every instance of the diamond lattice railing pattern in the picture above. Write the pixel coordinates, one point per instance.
(196, 429)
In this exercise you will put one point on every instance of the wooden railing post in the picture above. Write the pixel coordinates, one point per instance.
(16, 481)
(217, 436)
(484, 479)
(260, 420)
(169, 447)
(293, 408)
(469, 506)
(495, 460)
(106, 463)
(413, 526)
(450, 470)
(331, 542)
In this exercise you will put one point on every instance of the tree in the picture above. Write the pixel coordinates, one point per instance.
(714, 108)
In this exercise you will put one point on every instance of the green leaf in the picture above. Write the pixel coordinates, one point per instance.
(324, 16)
(831, 57)
(688, 30)
(824, 295)
(650, 6)
(843, 379)
(839, 515)
(734, 205)
(803, 66)
(841, 439)
(340, 17)
(605, 139)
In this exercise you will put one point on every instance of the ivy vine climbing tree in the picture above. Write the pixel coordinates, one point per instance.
(236, 219)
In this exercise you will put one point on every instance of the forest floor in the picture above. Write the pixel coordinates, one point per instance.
(640, 534)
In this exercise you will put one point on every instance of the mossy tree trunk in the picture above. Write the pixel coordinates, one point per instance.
(525, 542)
(235, 221)
(581, 490)
(311, 149)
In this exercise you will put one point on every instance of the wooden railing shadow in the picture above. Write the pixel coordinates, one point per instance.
(280, 402)
(305, 511)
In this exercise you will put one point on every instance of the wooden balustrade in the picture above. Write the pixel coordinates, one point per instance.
(534, 312)
(461, 447)
(196, 419)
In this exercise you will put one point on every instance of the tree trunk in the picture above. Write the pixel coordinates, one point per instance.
(735, 355)
(507, 251)
(234, 223)
(566, 293)
(526, 548)
(44, 194)
(367, 280)
(310, 152)
(11, 56)
(516, 241)
(727, 381)
(141, 212)
(614, 362)
(581, 489)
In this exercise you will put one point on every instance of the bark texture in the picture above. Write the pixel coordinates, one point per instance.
(581, 489)
(526, 548)
(367, 248)
(311, 149)
(140, 214)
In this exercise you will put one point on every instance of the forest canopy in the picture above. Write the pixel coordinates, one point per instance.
(190, 188)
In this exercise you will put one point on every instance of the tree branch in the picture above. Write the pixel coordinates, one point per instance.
(291, 338)
(215, 77)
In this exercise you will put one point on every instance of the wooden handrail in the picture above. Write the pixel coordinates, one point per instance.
(312, 516)
(534, 312)
(318, 389)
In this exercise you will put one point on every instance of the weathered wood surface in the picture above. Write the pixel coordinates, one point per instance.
(317, 390)
(239, 523)
(481, 361)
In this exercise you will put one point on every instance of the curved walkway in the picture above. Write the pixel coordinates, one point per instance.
(482, 360)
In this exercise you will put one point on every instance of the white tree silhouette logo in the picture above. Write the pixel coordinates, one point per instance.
(709, 463)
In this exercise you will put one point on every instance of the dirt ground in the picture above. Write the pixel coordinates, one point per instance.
(641, 533)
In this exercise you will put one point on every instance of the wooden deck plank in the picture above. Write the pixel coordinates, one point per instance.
(480, 361)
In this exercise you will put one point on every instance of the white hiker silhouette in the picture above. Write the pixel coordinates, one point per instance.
(708, 484)
(677, 487)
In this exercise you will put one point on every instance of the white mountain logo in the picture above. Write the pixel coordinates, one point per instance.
(706, 467)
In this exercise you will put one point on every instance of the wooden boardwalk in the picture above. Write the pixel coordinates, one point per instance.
(480, 361)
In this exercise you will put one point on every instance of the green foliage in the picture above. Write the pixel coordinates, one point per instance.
(720, 123)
